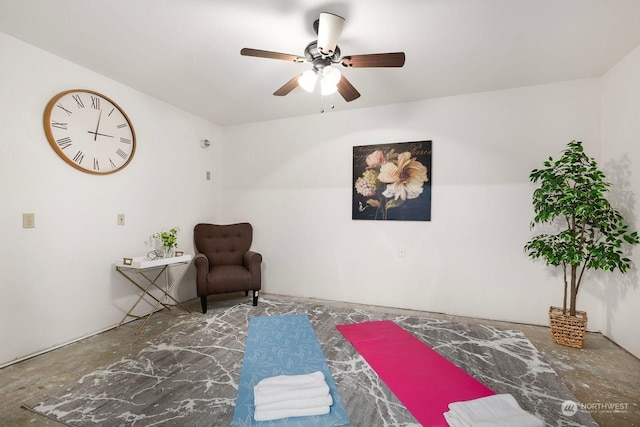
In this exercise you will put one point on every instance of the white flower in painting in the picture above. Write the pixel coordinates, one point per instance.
(367, 183)
(405, 179)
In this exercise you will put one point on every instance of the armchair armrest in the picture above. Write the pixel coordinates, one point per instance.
(201, 261)
(202, 269)
(252, 261)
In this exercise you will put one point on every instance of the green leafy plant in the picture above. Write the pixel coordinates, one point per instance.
(591, 233)
(169, 238)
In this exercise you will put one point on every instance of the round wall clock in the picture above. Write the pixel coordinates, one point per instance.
(89, 131)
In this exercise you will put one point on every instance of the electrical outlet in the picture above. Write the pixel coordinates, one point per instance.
(28, 220)
(120, 219)
(402, 253)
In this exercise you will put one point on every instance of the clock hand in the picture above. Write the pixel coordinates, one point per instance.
(95, 136)
(101, 134)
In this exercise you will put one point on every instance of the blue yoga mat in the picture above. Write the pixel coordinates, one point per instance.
(283, 345)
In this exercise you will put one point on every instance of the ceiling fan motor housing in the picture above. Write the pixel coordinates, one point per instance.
(317, 58)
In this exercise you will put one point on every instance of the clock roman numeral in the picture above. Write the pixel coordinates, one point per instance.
(65, 110)
(125, 140)
(59, 125)
(122, 125)
(78, 101)
(64, 142)
(95, 102)
(109, 115)
(113, 165)
(121, 154)
(78, 157)
(96, 166)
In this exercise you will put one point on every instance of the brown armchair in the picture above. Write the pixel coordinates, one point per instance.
(224, 262)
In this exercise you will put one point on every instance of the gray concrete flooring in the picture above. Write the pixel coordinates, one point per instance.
(599, 375)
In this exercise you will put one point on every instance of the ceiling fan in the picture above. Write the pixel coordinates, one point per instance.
(323, 54)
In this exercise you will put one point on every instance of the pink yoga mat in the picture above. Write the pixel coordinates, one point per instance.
(423, 380)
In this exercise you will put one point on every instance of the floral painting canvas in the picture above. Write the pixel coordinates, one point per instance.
(392, 181)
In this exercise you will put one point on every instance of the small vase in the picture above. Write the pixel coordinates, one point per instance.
(168, 252)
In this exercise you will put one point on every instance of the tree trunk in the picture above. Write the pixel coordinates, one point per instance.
(566, 285)
(574, 290)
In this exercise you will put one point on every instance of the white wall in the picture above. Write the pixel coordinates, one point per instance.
(58, 280)
(293, 182)
(292, 179)
(621, 149)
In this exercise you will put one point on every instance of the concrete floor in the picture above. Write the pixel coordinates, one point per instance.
(599, 375)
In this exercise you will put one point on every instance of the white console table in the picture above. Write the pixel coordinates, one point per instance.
(140, 267)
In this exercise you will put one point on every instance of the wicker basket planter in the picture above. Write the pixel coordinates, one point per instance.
(567, 330)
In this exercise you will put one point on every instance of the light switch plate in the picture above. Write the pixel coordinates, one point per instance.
(28, 220)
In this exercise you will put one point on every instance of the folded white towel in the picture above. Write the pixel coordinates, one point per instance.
(453, 420)
(524, 420)
(298, 404)
(500, 410)
(285, 396)
(303, 379)
(261, 415)
(266, 395)
(286, 388)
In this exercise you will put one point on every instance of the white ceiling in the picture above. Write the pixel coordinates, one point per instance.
(187, 52)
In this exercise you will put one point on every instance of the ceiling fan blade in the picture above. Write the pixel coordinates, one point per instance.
(346, 89)
(395, 59)
(288, 86)
(329, 30)
(271, 55)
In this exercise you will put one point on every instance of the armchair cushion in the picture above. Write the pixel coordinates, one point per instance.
(223, 244)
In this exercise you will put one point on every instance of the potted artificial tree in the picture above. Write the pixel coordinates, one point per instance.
(589, 232)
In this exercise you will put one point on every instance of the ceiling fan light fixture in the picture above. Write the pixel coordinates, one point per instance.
(327, 87)
(307, 80)
(331, 74)
(329, 30)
